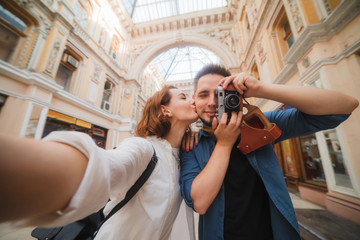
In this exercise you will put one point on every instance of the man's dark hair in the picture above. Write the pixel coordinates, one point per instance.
(211, 69)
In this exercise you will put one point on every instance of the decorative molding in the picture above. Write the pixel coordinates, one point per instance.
(352, 49)
(334, 23)
(286, 73)
(327, 6)
(103, 37)
(260, 50)
(86, 51)
(45, 82)
(309, 80)
(224, 36)
(265, 13)
(80, 32)
(127, 92)
(25, 48)
(221, 17)
(306, 62)
(95, 77)
(53, 55)
(124, 18)
(295, 14)
(37, 100)
(41, 27)
(27, 4)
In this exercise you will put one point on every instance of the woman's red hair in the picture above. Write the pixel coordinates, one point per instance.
(152, 121)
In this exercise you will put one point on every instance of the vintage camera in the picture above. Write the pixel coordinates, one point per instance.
(228, 101)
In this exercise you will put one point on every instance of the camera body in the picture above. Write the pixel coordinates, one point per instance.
(228, 101)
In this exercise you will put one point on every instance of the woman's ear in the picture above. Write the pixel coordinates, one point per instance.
(165, 111)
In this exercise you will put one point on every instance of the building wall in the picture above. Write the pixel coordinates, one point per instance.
(90, 33)
(321, 47)
(324, 51)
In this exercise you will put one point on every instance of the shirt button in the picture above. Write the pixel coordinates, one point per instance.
(221, 214)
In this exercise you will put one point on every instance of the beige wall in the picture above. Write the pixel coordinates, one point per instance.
(30, 76)
(326, 48)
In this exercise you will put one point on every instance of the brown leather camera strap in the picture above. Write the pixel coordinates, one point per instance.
(208, 130)
(256, 130)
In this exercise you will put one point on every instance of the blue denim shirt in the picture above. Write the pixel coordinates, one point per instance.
(293, 123)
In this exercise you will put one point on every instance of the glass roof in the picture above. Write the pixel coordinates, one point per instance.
(183, 63)
(147, 10)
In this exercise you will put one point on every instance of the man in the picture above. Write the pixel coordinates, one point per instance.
(245, 196)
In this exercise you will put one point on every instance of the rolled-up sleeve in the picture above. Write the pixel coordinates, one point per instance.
(189, 170)
(295, 123)
(109, 173)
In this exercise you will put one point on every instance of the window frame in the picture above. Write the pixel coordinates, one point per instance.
(22, 35)
(65, 62)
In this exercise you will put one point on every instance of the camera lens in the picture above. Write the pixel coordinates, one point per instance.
(232, 101)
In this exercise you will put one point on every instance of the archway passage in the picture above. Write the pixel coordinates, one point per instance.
(182, 63)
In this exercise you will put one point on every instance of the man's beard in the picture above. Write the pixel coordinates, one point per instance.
(207, 124)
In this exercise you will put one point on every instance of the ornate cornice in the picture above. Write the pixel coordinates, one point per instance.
(330, 60)
(219, 17)
(265, 13)
(334, 23)
(124, 18)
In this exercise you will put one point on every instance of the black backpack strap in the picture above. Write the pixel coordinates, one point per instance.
(133, 190)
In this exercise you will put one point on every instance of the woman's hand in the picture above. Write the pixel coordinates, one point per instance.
(189, 137)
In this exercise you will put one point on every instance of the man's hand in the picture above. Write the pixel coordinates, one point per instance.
(246, 84)
(227, 132)
(207, 184)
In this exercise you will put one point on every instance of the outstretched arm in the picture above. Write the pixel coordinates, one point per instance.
(310, 100)
(37, 177)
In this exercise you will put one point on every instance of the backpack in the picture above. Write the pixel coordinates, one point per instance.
(87, 228)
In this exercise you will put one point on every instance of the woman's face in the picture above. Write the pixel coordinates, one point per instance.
(181, 108)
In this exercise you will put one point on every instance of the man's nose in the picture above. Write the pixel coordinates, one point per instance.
(213, 100)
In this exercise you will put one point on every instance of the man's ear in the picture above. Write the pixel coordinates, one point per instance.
(165, 111)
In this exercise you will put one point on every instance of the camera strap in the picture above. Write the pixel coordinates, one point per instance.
(256, 130)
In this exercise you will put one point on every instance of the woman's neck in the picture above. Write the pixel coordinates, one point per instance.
(175, 135)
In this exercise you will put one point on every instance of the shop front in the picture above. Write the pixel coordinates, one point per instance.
(56, 121)
(316, 166)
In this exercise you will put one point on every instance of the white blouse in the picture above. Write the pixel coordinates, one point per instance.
(150, 214)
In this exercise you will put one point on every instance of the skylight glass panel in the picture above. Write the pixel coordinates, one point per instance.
(129, 5)
(183, 63)
(147, 10)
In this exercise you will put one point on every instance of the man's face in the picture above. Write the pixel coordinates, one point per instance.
(205, 97)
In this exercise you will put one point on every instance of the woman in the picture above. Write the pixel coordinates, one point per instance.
(67, 177)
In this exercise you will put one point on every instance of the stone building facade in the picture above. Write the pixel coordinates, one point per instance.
(84, 65)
